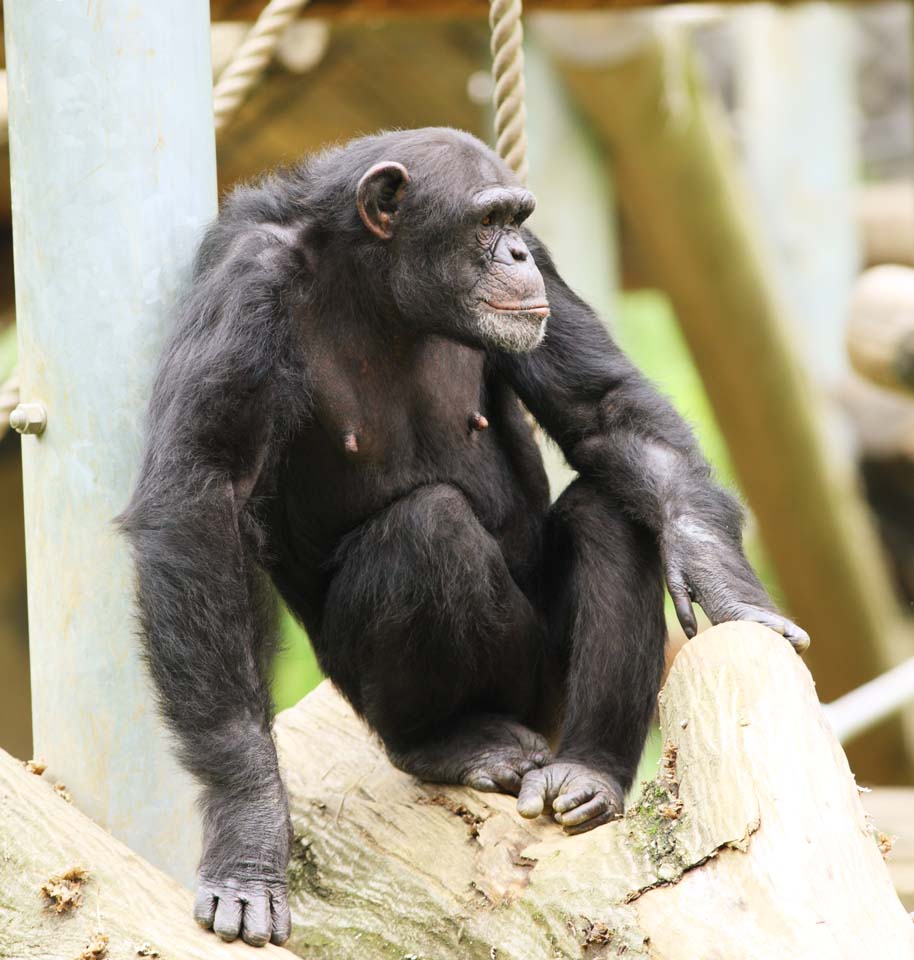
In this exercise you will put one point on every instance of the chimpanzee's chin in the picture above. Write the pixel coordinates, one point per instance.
(514, 331)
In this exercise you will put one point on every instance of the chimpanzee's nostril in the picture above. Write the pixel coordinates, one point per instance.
(519, 254)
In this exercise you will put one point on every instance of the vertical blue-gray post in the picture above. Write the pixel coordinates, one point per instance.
(113, 179)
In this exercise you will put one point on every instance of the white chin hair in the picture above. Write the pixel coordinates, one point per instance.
(513, 332)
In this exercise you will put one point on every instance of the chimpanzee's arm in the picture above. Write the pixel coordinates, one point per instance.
(224, 399)
(614, 427)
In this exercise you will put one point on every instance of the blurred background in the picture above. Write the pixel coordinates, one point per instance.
(714, 181)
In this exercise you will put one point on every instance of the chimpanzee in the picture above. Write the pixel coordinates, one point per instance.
(338, 412)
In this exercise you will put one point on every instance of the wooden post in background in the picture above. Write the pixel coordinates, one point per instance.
(685, 202)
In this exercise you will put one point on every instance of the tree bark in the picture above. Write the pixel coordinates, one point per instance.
(751, 843)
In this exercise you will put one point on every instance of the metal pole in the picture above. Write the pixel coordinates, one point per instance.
(113, 178)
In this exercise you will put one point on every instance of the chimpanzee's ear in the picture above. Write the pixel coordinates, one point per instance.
(380, 191)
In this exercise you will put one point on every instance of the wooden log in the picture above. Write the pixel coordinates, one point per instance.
(751, 843)
(141, 911)
(880, 332)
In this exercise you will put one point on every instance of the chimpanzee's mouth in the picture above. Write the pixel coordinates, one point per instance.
(537, 311)
(515, 327)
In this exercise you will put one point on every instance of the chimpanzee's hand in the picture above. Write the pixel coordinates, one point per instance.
(241, 883)
(580, 797)
(710, 568)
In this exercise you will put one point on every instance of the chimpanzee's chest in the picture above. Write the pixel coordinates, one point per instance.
(387, 422)
(414, 403)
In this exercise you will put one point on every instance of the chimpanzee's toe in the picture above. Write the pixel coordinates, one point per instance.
(502, 768)
(580, 798)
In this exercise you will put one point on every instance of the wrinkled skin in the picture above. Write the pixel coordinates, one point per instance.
(580, 798)
(336, 416)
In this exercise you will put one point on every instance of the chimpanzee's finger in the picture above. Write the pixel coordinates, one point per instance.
(229, 911)
(483, 783)
(598, 821)
(205, 906)
(797, 636)
(682, 602)
(531, 800)
(566, 800)
(257, 923)
(583, 812)
(281, 917)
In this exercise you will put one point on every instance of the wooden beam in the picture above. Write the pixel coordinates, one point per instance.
(387, 9)
(679, 185)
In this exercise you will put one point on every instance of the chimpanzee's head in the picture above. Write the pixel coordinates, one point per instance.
(449, 214)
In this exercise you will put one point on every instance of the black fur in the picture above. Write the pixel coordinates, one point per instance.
(318, 419)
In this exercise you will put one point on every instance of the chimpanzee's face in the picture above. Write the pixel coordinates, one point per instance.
(508, 300)
(459, 263)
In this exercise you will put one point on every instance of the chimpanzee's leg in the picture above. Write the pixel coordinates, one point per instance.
(604, 589)
(429, 637)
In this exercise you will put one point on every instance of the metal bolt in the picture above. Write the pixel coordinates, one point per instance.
(29, 418)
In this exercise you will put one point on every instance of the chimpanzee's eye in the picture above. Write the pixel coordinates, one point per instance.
(487, 221)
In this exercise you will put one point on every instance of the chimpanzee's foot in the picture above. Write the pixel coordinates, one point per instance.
(486, 751)
(253, 909)
(580, 797)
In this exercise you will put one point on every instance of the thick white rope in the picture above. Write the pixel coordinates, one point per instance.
(244, 70)
(508, 73)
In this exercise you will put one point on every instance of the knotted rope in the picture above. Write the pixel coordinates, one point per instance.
(508, 74)
(244, 70)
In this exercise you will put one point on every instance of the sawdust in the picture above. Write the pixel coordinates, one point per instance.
(61, 790)
(884, 842)
(36, 765)
(96, 948)
(596, 934)
(63, 891)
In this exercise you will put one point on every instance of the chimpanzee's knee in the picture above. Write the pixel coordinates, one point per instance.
(423, 618)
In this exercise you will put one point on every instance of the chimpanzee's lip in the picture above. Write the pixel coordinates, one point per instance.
(539, 310)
